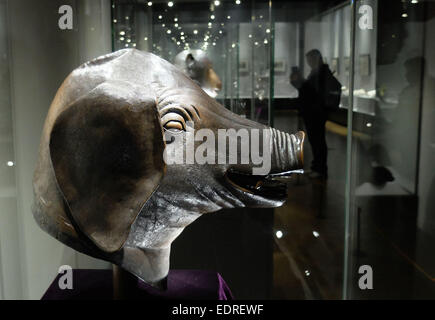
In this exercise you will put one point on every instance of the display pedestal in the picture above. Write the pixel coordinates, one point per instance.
(181, 284)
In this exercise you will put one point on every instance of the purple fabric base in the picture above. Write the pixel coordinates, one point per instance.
(182, 284)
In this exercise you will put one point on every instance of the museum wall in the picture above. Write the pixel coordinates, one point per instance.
(245, 54)
(399, 107)
(41, 56)
(330, 33)
(426, 187)
(286, 55)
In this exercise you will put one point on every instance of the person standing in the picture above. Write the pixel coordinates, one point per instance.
(317, 95)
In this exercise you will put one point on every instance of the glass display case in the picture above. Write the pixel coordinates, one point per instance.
(236, 38)
(390, 224)
(362, 229)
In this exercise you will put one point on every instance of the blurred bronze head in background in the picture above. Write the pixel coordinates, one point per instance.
(199, 68)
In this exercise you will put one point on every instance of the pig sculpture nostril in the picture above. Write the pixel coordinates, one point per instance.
(287, 151)
(287, 159)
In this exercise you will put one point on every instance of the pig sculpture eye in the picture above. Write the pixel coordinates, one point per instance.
(174, 121)
(174, 126)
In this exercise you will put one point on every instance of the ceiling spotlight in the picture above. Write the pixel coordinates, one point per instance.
(115, 21)
(279, 234)
(10, 163)
(212, 17)
(267, 30)
(414, 1)
(238, 2)
(404, 15)
(150, 3)
(168, 31)
(217, 2)
(195, 31)
(122, 33)
(121, 38)
(170, 4)
(146, 38)
(175, 19)
(316, 234)
(160, 17)
(265, 41)
(228, 17)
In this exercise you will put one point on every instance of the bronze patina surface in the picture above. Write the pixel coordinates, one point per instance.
(101, 184)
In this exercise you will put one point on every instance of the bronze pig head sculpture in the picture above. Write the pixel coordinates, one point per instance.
(102, 185)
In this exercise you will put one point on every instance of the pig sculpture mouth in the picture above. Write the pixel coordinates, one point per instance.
(262, 186)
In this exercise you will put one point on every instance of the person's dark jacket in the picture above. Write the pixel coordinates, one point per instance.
(312, 92)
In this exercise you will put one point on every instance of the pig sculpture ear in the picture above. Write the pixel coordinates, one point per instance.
(190, 60)
(107, 154)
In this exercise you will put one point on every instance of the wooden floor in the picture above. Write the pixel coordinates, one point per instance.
(308, 258)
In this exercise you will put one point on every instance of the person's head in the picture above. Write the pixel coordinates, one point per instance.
(314, 58)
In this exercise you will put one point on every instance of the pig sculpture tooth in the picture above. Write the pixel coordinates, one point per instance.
(102, 184)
